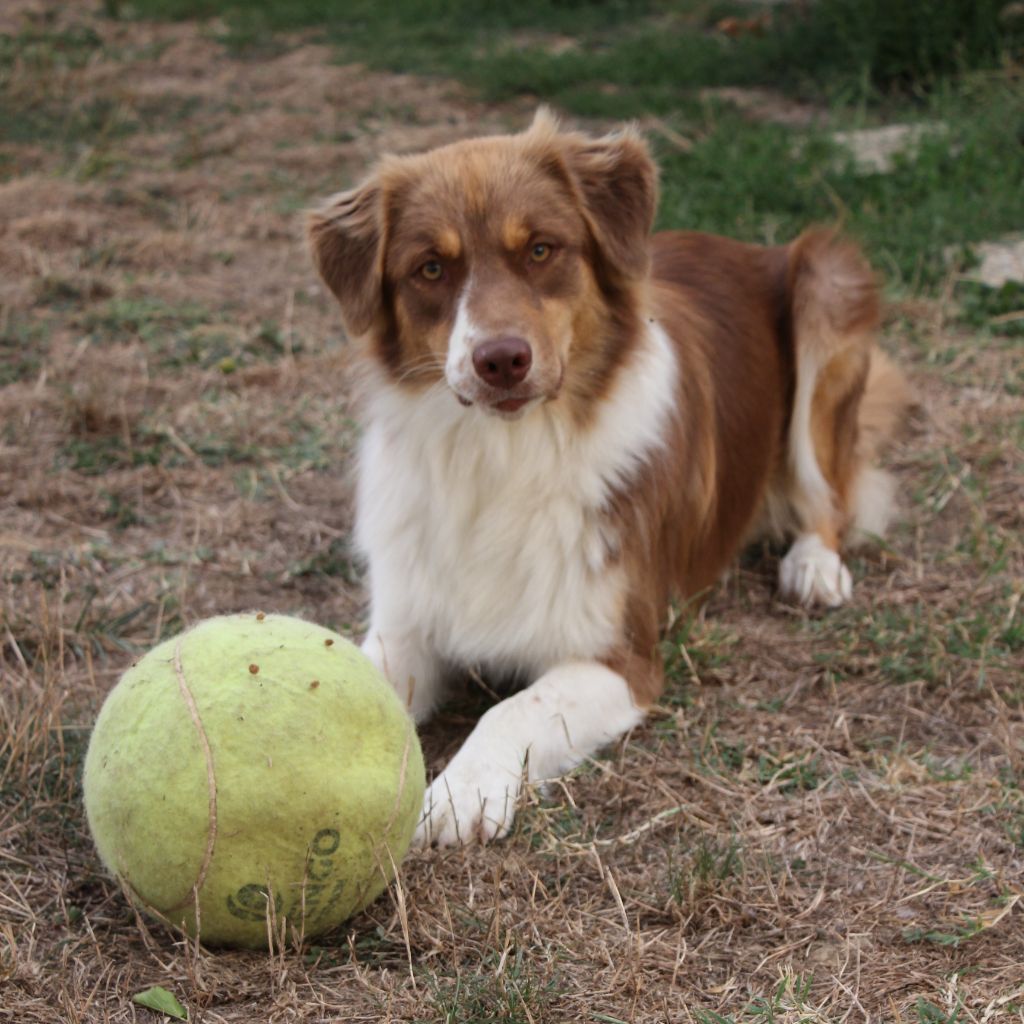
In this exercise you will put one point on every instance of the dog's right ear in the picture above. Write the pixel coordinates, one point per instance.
(346, 238)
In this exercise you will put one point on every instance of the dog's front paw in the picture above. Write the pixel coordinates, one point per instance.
(472, 801)
(813, 574)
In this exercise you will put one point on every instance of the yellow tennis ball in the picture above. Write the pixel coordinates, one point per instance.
(253, 776)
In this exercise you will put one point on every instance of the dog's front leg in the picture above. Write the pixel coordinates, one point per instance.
(408, 661)
(539, 733)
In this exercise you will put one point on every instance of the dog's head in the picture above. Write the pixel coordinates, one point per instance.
(505, 266)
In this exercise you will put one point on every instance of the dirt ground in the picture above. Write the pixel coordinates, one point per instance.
(823, 821)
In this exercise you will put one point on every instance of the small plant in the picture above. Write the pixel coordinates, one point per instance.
(787, 1001)
(1000, 310)
(703, 871)
(505, 990)
(690, 649)
(789, 775)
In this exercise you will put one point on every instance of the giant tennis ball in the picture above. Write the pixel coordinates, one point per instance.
(253, 777)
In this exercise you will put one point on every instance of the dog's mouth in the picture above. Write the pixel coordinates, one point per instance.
(509, 404)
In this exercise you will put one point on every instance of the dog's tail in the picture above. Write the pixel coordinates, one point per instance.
(834, 297)
(849, 397)
(884, 406)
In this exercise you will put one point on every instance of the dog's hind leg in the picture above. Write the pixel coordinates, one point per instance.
(812, 572)
(845, 403)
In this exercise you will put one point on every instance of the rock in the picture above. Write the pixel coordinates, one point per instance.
(1000, 261)
(875, 149)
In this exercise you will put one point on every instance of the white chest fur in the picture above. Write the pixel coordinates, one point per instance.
(487, 536)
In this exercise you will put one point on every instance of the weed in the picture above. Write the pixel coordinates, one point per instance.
(121, 510)
(23, 344)
(928, 1013)
(95, 456)
(788, 1000)
(720, 756)
(505, 990)
(150, 320)
(550, 818)
(703, 871)
(690, 649)
(954, 937)
(997, 310)
(788, 774)
(47, 51)
(93, 122)
(187, 334)
(918, 643)
(335, 561)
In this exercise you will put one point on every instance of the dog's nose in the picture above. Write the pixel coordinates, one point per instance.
(503, 362)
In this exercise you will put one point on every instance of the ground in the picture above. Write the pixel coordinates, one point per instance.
(821, 821)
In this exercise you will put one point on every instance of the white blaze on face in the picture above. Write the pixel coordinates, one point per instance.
(465, 336)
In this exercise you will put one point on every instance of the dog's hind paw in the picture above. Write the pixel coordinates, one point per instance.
(812, 574)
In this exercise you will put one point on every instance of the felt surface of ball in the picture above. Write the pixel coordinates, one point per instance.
(254, 775)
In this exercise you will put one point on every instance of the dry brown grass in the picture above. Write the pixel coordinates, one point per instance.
(825, 814)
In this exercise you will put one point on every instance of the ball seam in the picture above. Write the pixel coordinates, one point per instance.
(211, 778)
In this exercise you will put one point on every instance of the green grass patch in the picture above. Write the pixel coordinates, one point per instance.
(56, 121)
(921, 60)
(763, 182)
(788, 774)
(718, 756)
(146, 319)
(690, 650)
(47, 51)
(97, 453)
(515, 993)
(336, 561)
(647, 48)
(703, 870)
(788, 1000)
(999, 311)
(23, 345)
(907, 644)
(187, 335)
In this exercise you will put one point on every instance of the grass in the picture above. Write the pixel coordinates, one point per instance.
(822, 820)
(704, 872)
(653, 47)
(762, 184)
(789, 999)
(925, 61)
(503, 990)
(912, 648)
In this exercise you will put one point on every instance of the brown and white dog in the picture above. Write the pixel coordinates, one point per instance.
(569, 421)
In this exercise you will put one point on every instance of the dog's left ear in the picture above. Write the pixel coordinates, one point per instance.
(618, 185)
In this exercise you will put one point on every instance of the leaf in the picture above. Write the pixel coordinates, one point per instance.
(159, 999)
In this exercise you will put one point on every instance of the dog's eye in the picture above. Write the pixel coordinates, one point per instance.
(540, 252)
(432, 270)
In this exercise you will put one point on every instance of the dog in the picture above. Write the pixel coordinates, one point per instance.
(568, 422)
